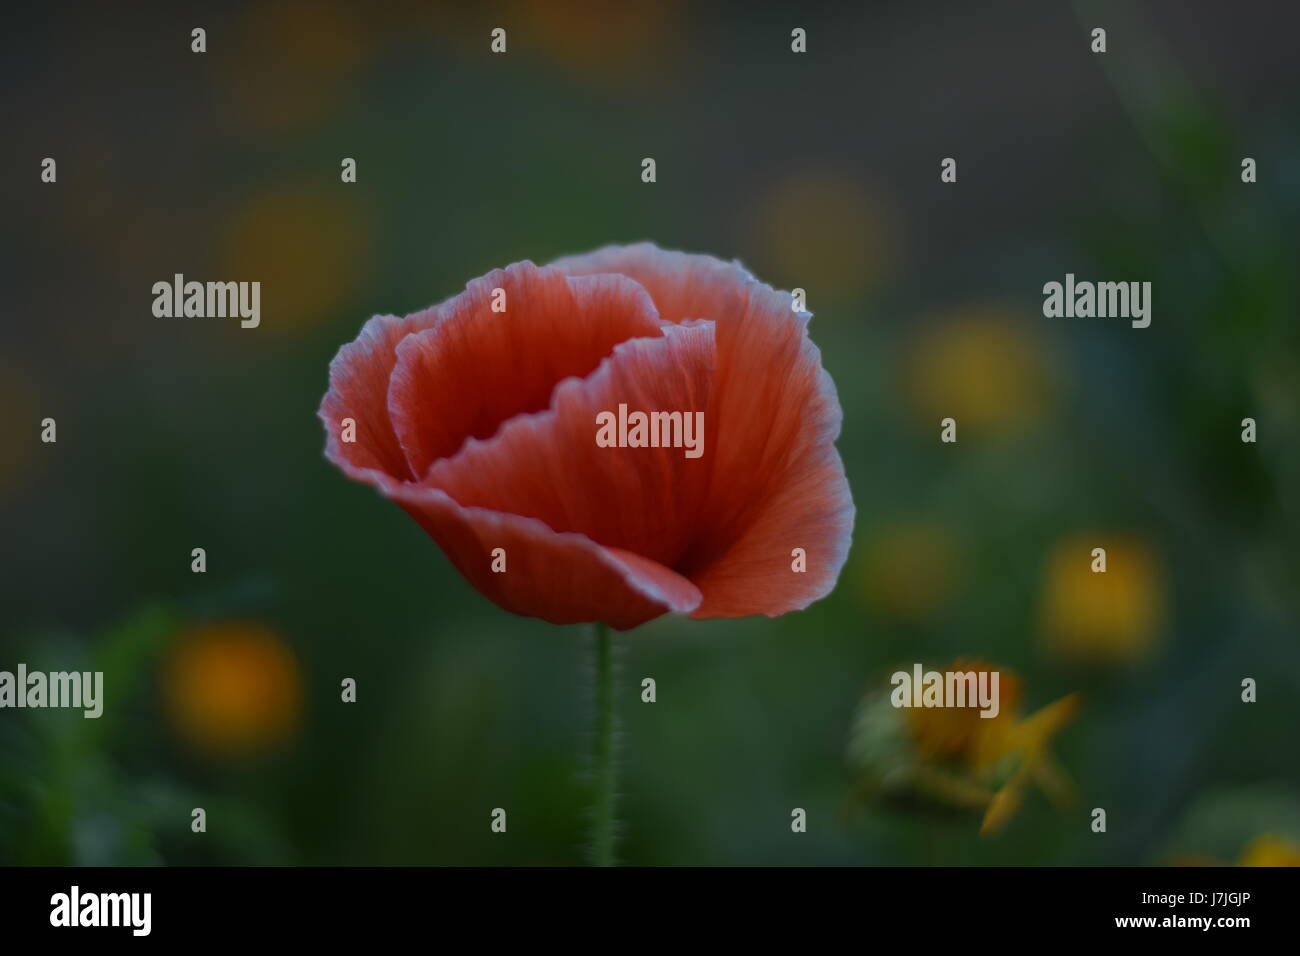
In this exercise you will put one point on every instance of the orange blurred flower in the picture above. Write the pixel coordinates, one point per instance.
(598, 41)
(233, 687)
(293, 64)
(310, 249)
(20, 427)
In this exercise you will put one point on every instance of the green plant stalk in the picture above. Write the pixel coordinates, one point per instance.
(604, 759)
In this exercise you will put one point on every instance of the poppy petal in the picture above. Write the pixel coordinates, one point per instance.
(549, 466)
(683, 285)
(476, 368)
(560, 578)
(779, 484)
(358, 390)
(777, 481)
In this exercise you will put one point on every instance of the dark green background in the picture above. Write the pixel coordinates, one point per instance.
(818, 170)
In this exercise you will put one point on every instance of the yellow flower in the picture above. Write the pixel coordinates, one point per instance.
(954, 757)
(910, 568)
(1271, 849)
(960, 734)
(821, 232)
(1110, 616)
(981, 367)
(233, 688)
(1027, 742)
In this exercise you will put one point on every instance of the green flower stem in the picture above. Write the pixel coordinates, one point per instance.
(604, 769)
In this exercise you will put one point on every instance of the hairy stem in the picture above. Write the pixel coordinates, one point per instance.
(604, 762)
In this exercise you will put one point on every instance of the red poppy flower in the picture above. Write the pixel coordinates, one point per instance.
(479, 416)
